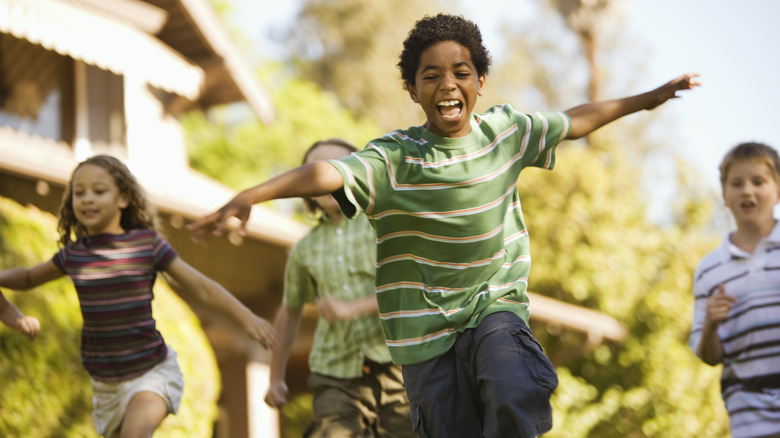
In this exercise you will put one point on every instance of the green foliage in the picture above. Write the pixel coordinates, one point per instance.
(592, 241)
(593, 245)
(45, 390)
(248, 153)
(366, 38)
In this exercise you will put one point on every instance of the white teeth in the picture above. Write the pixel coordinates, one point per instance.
(449, 103)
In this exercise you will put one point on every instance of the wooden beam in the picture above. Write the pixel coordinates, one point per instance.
(596, 325)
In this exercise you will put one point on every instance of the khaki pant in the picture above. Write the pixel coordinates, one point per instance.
(374, 405)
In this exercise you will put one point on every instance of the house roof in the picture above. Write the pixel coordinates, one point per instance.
(194, 30)
(179, 46)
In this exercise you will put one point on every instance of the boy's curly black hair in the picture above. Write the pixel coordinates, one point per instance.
(443, 27)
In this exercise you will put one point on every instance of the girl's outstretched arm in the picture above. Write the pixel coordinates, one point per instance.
(589, 117)
(28, 278)
(188, 281)
(12, 317)
(312, 179)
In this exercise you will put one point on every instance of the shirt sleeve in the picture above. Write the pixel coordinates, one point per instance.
(542, 132)
(164, 253)
(700, 297)
(299, 285)
(59, 260)
(365, 173)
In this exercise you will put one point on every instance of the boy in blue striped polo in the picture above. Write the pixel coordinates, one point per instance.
(736, 319)
(452, 248)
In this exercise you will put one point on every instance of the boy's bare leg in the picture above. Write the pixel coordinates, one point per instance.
(145, 413)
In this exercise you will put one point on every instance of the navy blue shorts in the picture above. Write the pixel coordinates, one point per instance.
(494, 382)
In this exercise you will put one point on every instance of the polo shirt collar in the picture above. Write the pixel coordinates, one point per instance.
(728, 250)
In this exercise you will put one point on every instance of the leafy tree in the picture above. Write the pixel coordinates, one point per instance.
(245, 152)
(45, 390)
(351, 48)
(593, 245)
(594, 242)
(585, 19)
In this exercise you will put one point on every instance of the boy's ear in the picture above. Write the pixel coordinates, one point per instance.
(481, 84)
(412, 92)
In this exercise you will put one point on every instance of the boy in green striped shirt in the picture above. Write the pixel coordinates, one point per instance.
(452, 248)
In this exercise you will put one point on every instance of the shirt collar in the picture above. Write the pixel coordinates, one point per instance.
(729, 251)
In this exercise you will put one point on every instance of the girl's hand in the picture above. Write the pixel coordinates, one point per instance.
(29, 326)
(261, 331)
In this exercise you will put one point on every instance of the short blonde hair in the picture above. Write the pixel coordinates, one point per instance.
(750, 151)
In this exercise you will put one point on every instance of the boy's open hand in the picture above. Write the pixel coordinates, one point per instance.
(216, 223)
(669, 90)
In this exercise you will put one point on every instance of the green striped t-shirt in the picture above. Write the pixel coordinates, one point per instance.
(337, 260)
(452, 246)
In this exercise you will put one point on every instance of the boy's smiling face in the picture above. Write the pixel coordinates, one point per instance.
(446, 87)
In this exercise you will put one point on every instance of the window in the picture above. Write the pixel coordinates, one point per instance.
(106, 111)
(36, 91)
(38, 96)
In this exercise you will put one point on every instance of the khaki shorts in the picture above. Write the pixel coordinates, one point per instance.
(110, 399)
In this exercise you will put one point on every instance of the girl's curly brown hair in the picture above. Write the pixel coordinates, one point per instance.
(139, 213)
(432, 30)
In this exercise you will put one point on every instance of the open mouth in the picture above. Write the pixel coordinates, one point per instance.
(450, 109)
(747, 204)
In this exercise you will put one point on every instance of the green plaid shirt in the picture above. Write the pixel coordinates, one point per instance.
(339, 261)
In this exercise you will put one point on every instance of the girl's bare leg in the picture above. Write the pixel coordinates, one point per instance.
(145, 413)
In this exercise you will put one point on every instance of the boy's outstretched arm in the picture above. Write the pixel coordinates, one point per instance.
(588, 117)
(313, 179)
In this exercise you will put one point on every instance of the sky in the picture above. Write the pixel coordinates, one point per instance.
(731, 44)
